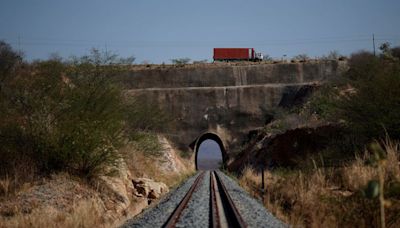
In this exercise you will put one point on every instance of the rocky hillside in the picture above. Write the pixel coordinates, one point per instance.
(69, 201)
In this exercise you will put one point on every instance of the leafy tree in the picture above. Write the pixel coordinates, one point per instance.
(8, 60)
(385, 48)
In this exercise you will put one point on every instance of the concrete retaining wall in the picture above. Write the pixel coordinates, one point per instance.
(227, 100)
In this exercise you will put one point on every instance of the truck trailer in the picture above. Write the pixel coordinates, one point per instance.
(236, 54)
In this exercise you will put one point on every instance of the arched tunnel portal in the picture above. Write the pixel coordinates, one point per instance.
(195, 146)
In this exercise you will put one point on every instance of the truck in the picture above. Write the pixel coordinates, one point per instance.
(236, 54)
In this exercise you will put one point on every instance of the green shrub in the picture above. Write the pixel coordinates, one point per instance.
(9, 59)
(374, 108)
(321, 103)
(144, 116)
(68, 116)
(396, 52)
(366, 101)
(146, 142)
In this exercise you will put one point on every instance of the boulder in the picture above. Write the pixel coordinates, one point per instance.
(149, 188)
(153, 195)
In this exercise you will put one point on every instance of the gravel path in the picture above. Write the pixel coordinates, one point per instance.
(252, 211)
(156, 216)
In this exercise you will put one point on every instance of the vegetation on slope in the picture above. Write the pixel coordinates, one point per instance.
(68, 118)
(366, 100)
(66, 115)
(361, 188)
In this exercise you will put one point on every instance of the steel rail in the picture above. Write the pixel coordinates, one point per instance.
(215, 221)
(173, 219)
(233, 216)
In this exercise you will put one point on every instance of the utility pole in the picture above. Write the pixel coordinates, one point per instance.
(19, 43)
(373, 42)
(105, 45)
(262, 182)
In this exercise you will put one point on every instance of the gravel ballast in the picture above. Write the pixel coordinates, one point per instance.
(197, 212)
(252, 211)
(156, 216)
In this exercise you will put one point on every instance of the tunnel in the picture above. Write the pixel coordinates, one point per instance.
(209, 138)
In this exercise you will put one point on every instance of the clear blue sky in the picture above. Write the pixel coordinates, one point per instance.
(160, 30)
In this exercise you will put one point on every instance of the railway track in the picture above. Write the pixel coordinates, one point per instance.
(208, 199)
(223, 212)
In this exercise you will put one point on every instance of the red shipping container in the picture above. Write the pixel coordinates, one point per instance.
(233, 53)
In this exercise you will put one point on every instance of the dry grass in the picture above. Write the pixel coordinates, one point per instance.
(84, 214)
(356, 175)
(5, 185)
(17, 177)
(57, 201)
(329, 197)
(142, 164)
(393, 159)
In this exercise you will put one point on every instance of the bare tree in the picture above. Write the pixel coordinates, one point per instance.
(180, 61)
(301, 57)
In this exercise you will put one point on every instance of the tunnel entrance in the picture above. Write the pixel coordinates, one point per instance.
(209, 152)
(209, 155)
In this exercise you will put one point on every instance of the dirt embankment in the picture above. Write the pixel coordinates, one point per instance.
(62, 200)
(287, 149)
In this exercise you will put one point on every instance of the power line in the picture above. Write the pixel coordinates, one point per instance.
(189, 44)
(388, 36)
